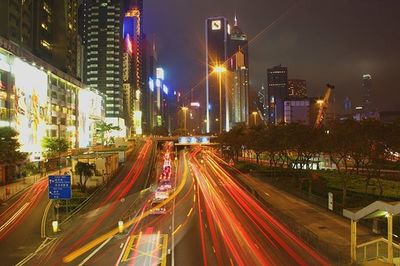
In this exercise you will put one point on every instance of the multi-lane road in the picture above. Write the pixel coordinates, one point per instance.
(207, 219)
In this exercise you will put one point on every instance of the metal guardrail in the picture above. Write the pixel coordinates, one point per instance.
(376, 249)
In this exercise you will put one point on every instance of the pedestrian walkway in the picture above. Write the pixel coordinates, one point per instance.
(9, 190)
(330, 228)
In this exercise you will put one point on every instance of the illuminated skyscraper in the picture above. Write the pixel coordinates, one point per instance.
(133, 64)
(277, 92)
(238, 42)
(367, 93)
(239, 65)
(102, 38)
(217, 52)
(239, 98)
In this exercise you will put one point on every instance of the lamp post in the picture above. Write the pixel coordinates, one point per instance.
(219, 69)
(184, 109)
(255, 117)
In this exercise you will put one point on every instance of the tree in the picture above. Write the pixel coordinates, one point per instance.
(256, 140)
(234, 140)
(10, 154)
(102, 130)
(85, 171)
(9, 147)
(338, 142)
(55, 147)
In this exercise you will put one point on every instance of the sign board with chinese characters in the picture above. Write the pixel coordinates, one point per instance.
(60, 187)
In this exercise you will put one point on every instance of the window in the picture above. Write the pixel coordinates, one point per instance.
(45, 44)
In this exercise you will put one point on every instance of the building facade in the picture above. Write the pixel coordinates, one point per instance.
(367, 93)
(217, 52)
(277, 78)
(38, 100)
(297, 111)
(297, 88)
(46, 28)
(103, 60)
(239, 98)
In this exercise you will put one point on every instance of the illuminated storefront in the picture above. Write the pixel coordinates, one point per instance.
(38, 101)
(30, 105)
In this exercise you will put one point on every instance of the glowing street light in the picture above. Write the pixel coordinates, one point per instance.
(219, 69)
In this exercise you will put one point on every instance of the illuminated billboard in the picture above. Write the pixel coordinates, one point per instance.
(30, 105)
(129, 34)
(91, 110)
(137, 122)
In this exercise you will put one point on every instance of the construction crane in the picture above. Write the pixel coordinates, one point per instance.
(323, 106)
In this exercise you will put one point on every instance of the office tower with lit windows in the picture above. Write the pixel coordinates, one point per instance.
(102, 38)
(46, 28)
(367, 93)
(297, 88)
(239, 85)
(239, 98)
(277, 78)
(238, 42)
(217, 52)
(134, 64)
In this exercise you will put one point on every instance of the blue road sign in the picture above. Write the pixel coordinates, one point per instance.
(60, 187)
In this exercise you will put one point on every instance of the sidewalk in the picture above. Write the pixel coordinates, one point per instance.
(10, 190)
(331, 230)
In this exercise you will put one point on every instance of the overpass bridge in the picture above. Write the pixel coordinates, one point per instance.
(189, 140)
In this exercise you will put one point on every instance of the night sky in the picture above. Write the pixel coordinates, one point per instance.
(321, 41)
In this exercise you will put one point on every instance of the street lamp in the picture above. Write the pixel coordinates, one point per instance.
(255, 117)
(219, 69)
(184, 109)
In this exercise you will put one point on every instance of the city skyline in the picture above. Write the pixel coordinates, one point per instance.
(349, 40)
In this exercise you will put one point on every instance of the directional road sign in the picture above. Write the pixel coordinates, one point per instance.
(60, 187)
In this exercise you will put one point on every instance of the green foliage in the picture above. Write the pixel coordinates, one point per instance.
(102, 129)
(55, 146)
(352, 146)
(85, 171)
(9, 147)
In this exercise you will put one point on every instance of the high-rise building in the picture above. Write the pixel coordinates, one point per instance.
(367, 93)
(239, 65)
(46, 28)
(277, 92)
(239, 98)
(217, 52)
(297, 88)
(134, 48)
(238, 42)
(102, 38)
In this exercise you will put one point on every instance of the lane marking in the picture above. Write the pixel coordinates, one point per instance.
(94, 252)
(176, 230)
(44, 220)
(191, 209)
